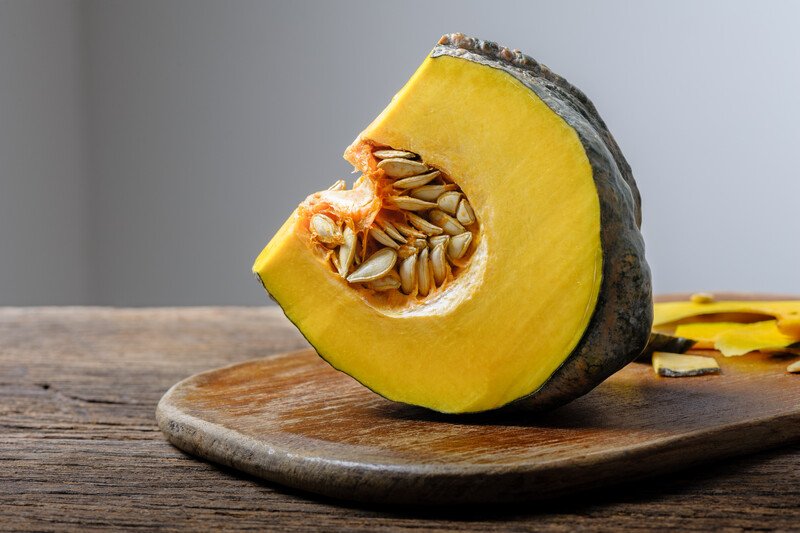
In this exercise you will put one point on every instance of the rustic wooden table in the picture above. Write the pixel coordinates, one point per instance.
(79, 446)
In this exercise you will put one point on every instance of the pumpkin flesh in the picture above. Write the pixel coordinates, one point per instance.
(531, 186)
(786, 312)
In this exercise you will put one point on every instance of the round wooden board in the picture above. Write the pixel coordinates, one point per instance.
(294, 420)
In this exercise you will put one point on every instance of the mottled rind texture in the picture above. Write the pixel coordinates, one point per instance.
(620, 327)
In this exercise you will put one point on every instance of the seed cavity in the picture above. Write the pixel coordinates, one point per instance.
(419, 241)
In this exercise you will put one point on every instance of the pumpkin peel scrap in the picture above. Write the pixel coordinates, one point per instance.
(673, 365)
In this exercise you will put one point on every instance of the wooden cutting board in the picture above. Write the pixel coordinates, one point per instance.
(294, 420)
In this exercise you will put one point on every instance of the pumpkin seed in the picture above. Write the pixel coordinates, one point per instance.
(465, 213)
(376, 266)
(408, 274)
(458, 245)
(357, 255)
(379, 235)
(347, 251)
(423, 225)
(391, 231)
(794, 368)
(402, 168)
(339, 185)
(448, 202)
(415, 181)
(393, 154)
(438, 239)
(407, 203)
(439, 264)
(446, 222)
(408, 231)
(325, 229)
(386, 283)
(423, 273)
(430, 193)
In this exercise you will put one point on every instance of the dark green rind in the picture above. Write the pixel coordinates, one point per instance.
(667, 373)
(620, 326)
(660, 342)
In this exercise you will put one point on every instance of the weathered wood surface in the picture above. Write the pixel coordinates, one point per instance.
(80, 449)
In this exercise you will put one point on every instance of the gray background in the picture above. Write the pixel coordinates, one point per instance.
(148, 150)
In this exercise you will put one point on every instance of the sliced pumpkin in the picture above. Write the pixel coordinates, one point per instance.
(490, 250)
(673, 365)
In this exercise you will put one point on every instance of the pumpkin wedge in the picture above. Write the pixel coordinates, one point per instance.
(489, 252)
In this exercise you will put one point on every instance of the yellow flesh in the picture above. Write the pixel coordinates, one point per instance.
(751, 337)
(735, 338)
(704, 333)
(530, 183)
(675, 365)
(786, 312)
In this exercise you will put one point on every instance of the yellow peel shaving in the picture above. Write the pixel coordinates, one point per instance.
(675, 365)
(751, 337)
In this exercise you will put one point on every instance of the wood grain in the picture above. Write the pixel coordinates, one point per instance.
(80, 450)
(295, 420)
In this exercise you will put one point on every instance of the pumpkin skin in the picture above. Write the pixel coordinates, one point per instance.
(613, 332)
(661, 342)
